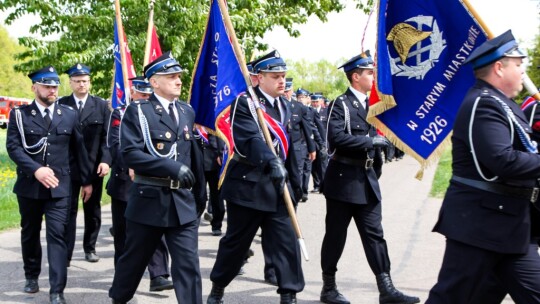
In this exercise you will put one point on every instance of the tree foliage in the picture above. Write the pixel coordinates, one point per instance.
(85, 29)
(322, 76)
(12, 83)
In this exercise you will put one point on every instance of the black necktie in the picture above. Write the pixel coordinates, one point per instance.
(171, 113)
(276, 108)
(367, 104)
(47, 118)
(80, 106)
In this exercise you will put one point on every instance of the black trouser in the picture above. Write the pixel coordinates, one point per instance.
(218, 207)
(318, 170)
(141, 243)
(242, 225)
(368, 222)
(159, 262)
(56, 214)
(92, 217)
(465, 266)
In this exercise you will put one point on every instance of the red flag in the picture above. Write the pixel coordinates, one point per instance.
(155, 48)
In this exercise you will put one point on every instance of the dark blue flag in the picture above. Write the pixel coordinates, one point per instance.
(421, 79)
(217, 79)
(119, 96)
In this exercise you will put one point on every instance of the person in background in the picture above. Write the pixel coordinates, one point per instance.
(94, 114)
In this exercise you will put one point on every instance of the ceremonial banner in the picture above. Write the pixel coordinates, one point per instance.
(120, 94)
(420, 76)
(217, 78)
(155, 48)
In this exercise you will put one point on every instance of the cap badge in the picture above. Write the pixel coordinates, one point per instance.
(79, 66)
(51, 69)
(277, 55)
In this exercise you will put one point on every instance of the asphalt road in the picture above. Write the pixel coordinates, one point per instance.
(408, 217)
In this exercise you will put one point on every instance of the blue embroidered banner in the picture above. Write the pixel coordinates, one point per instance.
(421, 79)
(119, 96)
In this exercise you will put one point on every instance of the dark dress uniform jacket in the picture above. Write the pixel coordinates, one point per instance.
(119, 181)
(300, 126)
(154, 205)
(63, 132)
(94, 121)
(246, 182)
(479, 218)
(343, 182)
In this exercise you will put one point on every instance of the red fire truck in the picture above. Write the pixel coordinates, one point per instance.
(6, 104)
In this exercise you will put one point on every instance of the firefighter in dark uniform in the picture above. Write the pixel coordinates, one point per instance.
(212, 148)
(41, 137)
(304, 144)
(168, 194)
(94, 117)
(352, 188)
(320, 120)
(488, 215)
(118, 186)
(253, 189)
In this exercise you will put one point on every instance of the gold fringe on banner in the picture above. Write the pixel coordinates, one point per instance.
(424, 162)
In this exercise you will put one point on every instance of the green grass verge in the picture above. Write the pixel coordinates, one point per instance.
(9, 208)
(442, 175)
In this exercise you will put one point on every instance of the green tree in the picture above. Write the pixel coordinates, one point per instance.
(12, 83)
(85, 29)
(322, 76)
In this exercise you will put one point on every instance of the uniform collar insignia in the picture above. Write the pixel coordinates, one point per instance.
(33, 112)
(355, 103)
(58, 111)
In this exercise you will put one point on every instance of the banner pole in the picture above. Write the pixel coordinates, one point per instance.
(122, 46)
(149, 34)
(262, 123)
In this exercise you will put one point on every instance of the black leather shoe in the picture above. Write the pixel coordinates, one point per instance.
(287, 298)
(57, 298)
(31, 286)
(91, 257)
(304, 198)
(241, 271)
(160, 283)
(117, 302)
(271, 279)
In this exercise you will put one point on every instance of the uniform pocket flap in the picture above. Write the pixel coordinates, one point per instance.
(511, 207)
(161, 135)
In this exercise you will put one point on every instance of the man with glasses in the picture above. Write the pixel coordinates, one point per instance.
(94, 116)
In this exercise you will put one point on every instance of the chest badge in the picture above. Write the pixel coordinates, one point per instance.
(168, 135)
(186, 133)
(160, 146)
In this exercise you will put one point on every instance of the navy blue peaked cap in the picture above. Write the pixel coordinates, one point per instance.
(163, 65)
(140, 84)
(504, 45)
(78, 70)
(271, 62)
(362, 61)
(45, 76)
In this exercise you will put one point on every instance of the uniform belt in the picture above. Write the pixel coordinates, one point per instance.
(241, 159)
(366, 163)
(530, 194)
(157, 181)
